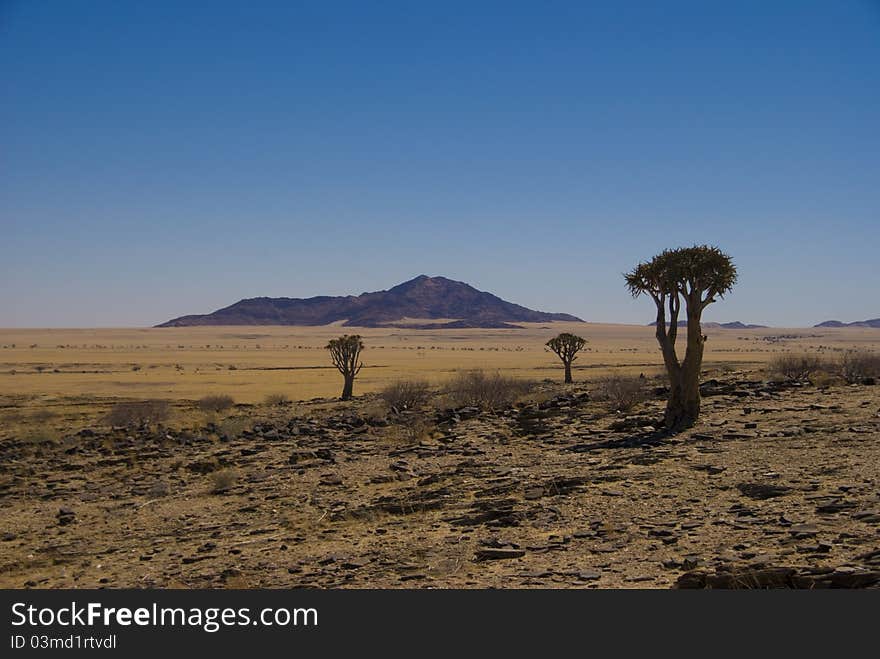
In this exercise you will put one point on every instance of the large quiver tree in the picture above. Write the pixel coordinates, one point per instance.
(698, 275)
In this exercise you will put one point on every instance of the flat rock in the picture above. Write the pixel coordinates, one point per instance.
(493, 554)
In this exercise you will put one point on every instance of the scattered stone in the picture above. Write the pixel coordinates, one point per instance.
(762, 491)
(835, 506)
(491, 554)
(550, 475)
(868, 516)
(803, 530)
(712, 470)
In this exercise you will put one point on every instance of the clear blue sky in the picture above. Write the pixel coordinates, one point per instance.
(163, 158)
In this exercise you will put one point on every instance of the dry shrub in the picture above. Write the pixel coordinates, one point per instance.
(215, 403)
(38, 436)
(159, 489)
(12, 416)
(621, 392)
(223, 480)
(411, 428)
(795, 368)
(138, 413)
(374, 413)
(538, 397)
(823, 379)
(234, 426)
(406, 394)
(486, 391)
(857, 366)
(277, 400)
(43, 416)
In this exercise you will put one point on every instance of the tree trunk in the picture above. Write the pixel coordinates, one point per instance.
(568, 373)
(348, 387)
(683, 406)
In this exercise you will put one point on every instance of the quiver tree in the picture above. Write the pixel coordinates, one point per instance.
(698, 275)
(566, 346)
(345, 353)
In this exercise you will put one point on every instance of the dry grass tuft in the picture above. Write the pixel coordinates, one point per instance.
(276, 400)
(223, 480)
(857, 366)
(795, 368)
(138, 413)
(486, 391)
(218, 403)
(406, 394)
(621, 392)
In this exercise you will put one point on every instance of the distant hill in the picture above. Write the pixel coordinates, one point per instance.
(734, 325)
(422, 298)
(738, 325)
(873, 322)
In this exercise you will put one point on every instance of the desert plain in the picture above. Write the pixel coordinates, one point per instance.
(778, 484)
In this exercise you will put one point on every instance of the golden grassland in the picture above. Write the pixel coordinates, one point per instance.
(249, 363)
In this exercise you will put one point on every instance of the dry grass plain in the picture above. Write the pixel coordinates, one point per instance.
(53, 379)
(248, 363)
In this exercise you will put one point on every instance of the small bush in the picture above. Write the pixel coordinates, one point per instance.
(823, 379)
(276, 400)
(412, 427)
(622, 393)
(725, 368)
(38, 436)
(13, 416)
(406, 394)
(223, 480)
(159, 489)
(375, 413)
(215, 403)
(234, 427)
(856, 366)
(43, 416)
(486, 391)
(138, 413)
(795, 368)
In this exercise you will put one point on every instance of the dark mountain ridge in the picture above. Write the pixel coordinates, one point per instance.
(422, 298)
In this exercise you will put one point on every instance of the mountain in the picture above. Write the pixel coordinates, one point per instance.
(423, 298)
(734, 325)
(873, 322)
(738, 325)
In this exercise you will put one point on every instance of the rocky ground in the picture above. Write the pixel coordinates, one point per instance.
(776, 486)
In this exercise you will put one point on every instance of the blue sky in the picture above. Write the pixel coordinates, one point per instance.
(158, 159)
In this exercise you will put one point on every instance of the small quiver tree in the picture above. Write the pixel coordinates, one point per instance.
(345, 353)
(566, 346)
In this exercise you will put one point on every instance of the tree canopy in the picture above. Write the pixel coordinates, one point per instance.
(345, 351)
(566, 346)
(687, 271)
